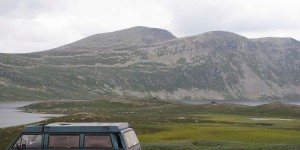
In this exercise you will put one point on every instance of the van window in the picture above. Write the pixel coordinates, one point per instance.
(119, 140)
(97, 141)
(63, 141)
(29, 142)
(131, 139)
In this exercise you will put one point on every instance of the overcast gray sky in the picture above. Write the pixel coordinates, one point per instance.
(36, 25)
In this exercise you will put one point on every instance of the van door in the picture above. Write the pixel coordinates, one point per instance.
(28, 142)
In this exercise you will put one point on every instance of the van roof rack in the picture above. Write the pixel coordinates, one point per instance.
(78, 127)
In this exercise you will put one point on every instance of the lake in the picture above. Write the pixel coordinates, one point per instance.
(242, 102)
(10, 116)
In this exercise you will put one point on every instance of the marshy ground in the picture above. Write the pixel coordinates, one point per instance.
(171, 125)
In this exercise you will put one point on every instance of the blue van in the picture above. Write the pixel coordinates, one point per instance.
(77, 136)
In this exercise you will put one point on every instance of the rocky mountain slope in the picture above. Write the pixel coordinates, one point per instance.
(150, 62)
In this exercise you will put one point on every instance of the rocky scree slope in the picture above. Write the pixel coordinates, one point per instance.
(150, 62)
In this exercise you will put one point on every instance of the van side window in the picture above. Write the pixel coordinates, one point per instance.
(131, 139)
(63, 141)
(119, 140)
(29, 142)
(97, 141)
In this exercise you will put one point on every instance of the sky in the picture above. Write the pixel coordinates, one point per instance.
(37, 25)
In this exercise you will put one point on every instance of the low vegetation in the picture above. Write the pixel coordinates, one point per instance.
(169, 125)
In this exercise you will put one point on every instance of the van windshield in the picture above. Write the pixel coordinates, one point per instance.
(131, 139)
(29, 142)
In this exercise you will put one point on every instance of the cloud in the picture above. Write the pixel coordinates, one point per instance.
(35, 25)
(22, 28)
(198, 16)
(50, 24)
(103, 16)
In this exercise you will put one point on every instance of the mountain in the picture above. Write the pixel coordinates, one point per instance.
(151, 62)
(123, 40)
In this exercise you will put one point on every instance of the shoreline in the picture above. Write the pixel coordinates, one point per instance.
(12, 116)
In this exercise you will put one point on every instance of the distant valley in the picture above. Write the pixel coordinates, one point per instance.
(153, 63)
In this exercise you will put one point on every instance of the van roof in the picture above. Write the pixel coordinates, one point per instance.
(77, 127)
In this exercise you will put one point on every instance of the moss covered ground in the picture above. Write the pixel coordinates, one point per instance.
(171, 125)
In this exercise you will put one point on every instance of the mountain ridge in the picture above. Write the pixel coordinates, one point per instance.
(212, 65)
(127, 38)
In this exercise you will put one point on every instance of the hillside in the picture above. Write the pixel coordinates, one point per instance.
(150, 62)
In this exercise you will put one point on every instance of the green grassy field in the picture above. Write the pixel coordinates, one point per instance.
(172, 125)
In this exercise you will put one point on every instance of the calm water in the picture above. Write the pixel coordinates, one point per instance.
(276, 119)
(242, 102)
(10, 116)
